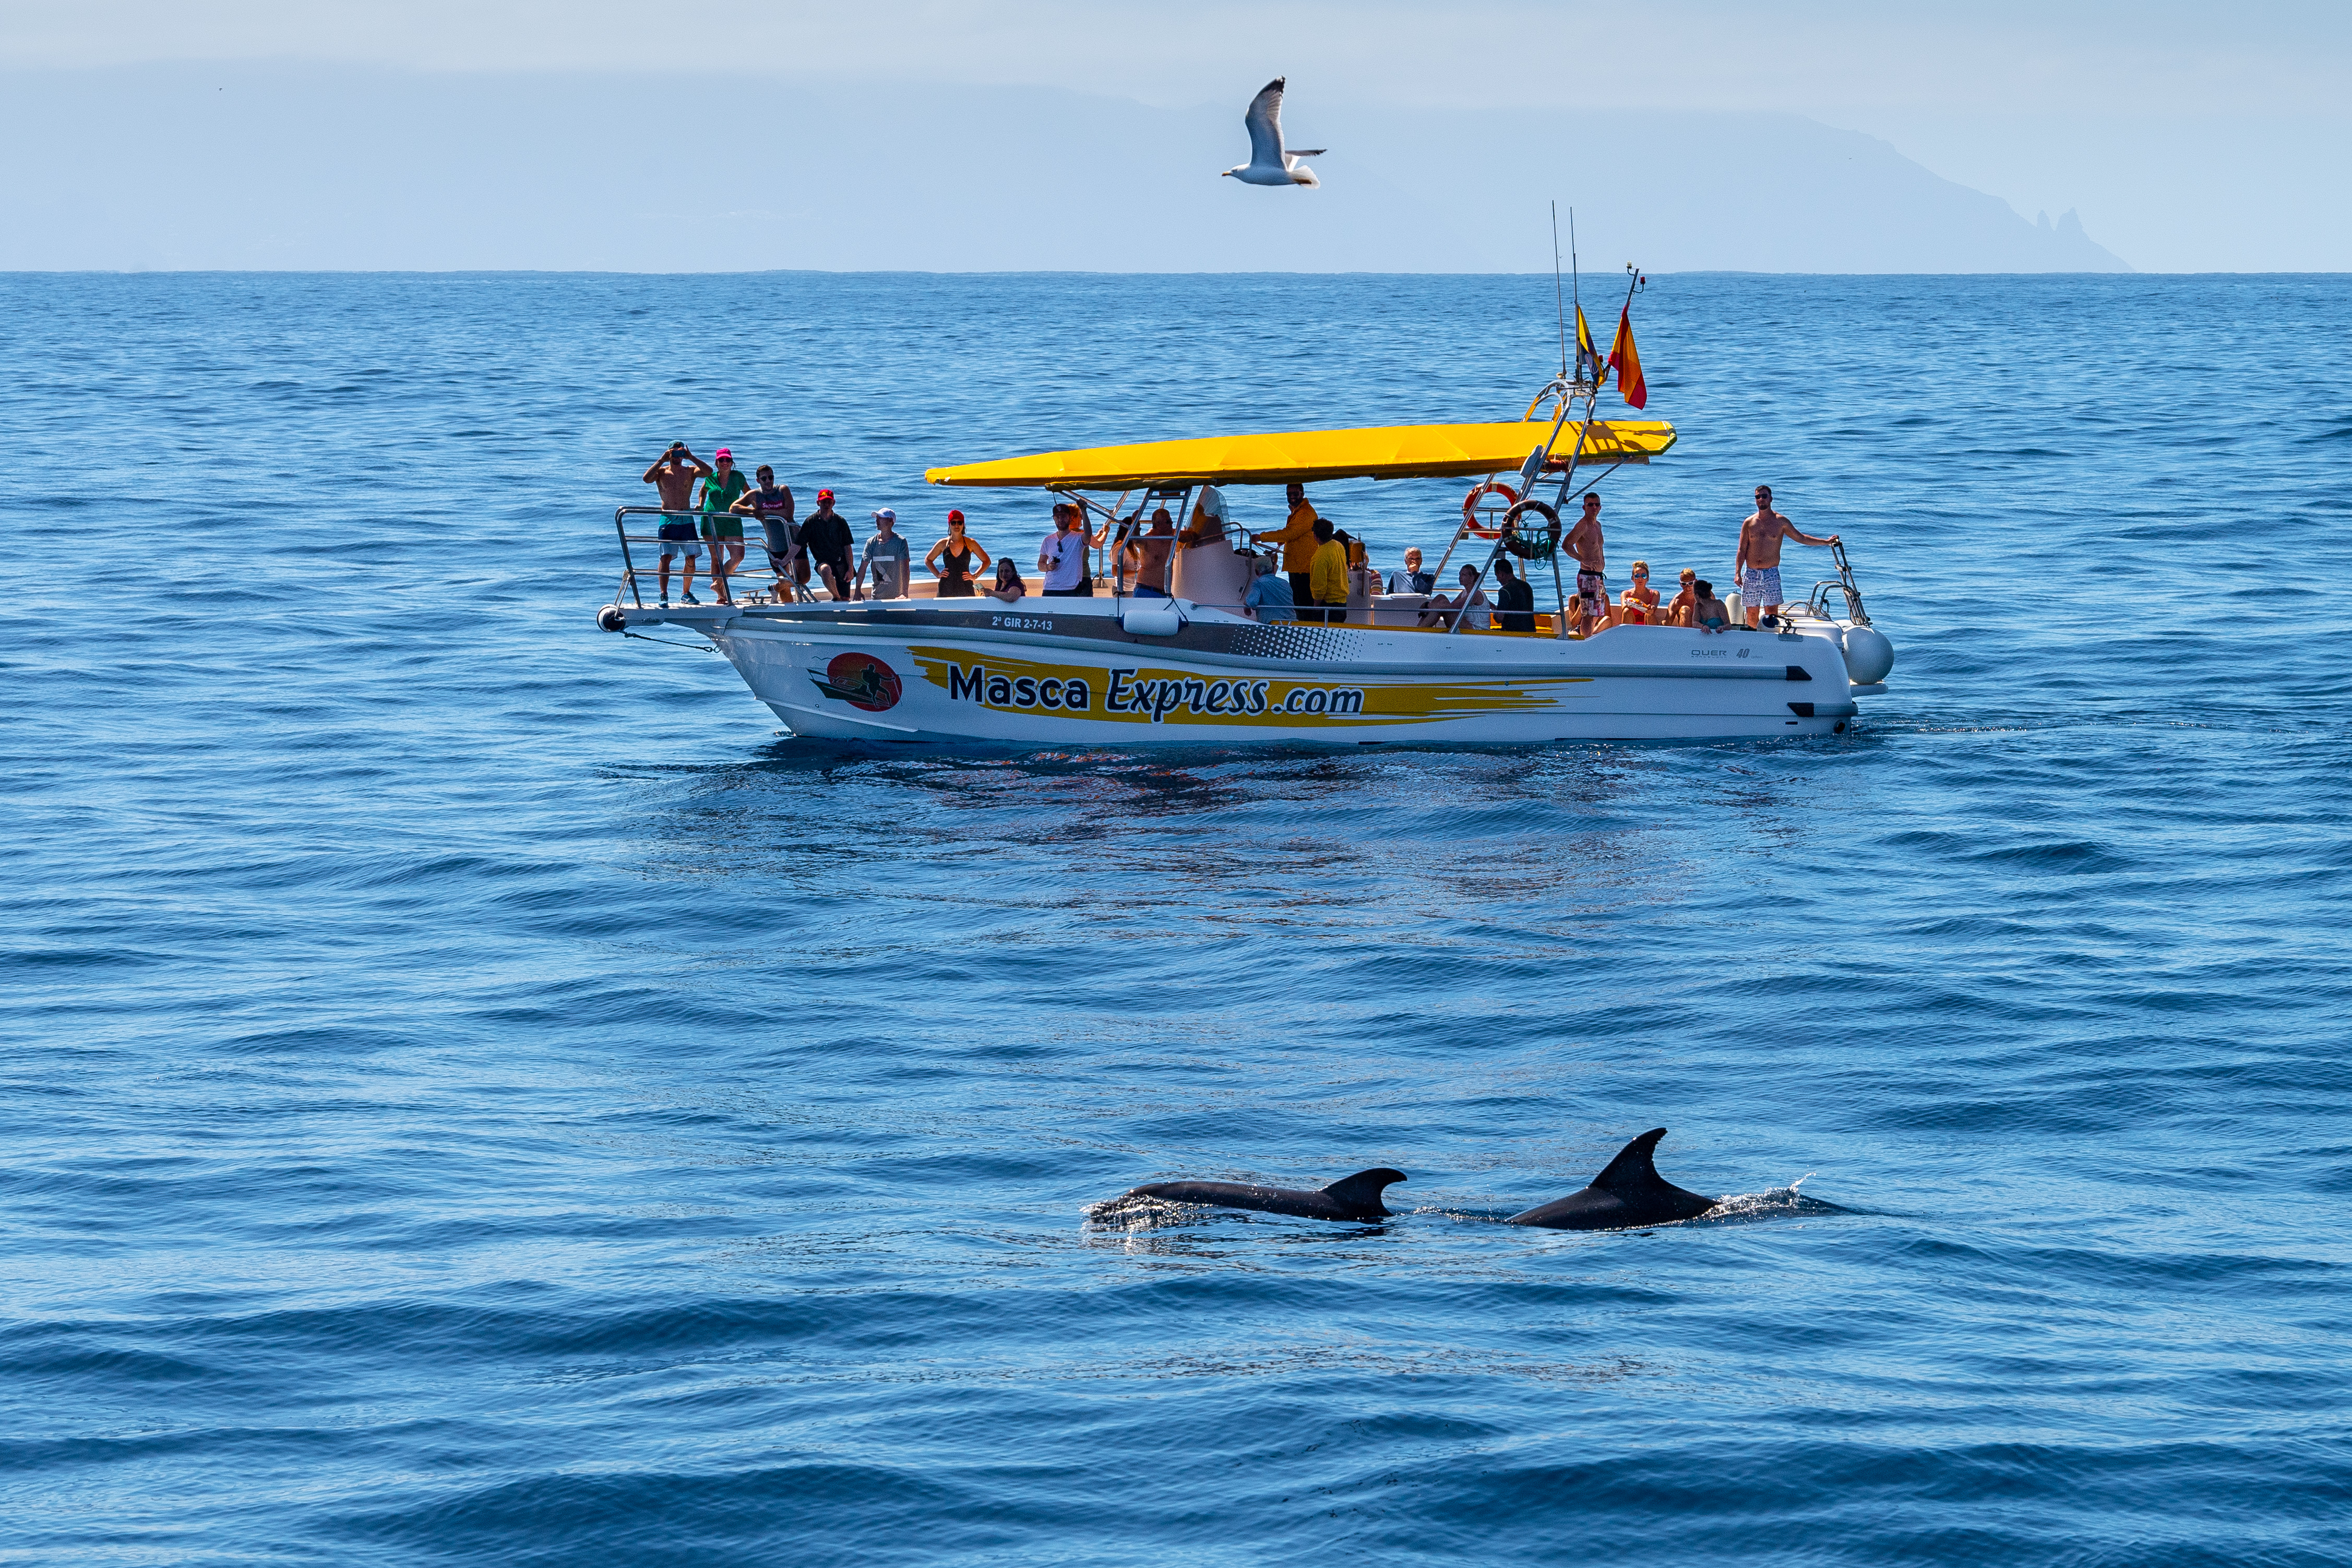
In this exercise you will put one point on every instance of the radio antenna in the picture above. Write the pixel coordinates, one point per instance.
(1557, 304)
(1577, 286)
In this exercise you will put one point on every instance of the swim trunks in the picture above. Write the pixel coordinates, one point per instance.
(1760, 589)
(1590, 582)
(691, 549)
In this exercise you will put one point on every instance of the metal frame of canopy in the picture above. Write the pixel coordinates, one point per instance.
(1166, 490)
(1172, 470)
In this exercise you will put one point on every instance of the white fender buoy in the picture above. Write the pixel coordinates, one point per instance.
(1868, 655)
(1150, 617)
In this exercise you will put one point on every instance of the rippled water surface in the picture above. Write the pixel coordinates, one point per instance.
(477, 1093)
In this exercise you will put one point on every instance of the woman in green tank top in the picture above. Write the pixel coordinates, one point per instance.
(724, 529)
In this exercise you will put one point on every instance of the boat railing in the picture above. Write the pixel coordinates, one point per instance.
(1844, 583)
(640, 530)
(754, 581)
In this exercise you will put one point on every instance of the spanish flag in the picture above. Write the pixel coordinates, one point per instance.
(1588, 358)
(1626, 362)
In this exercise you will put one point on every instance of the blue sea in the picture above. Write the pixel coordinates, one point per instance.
(476, 1091)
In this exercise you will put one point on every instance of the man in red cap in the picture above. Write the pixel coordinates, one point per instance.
(825, 538)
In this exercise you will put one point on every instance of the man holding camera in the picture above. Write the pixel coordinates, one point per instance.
(672, 474)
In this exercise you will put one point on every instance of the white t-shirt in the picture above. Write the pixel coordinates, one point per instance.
(1067, 553)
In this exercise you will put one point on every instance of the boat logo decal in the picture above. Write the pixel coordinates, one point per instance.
(862, 681)
(1022, 688)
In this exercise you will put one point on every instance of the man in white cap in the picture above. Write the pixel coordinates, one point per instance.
(885, 558)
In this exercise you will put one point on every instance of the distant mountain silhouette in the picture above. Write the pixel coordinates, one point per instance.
(290, 165)
(2077, 247)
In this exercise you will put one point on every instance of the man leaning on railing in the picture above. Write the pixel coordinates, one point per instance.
(773, 504)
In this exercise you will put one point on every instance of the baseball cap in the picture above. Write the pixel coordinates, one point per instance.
(824, 495)
(885, 512)
(722, 456)
(955, 516)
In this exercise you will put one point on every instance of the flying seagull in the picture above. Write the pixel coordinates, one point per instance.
(1270, 163)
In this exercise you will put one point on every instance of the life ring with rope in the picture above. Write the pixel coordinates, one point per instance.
(1530, 544)
(1470, 507)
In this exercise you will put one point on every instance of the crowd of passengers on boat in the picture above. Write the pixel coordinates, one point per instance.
(1308, 570)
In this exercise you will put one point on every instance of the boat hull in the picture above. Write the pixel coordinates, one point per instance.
(1071, 674)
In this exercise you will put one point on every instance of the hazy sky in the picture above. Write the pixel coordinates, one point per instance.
(2189, 138)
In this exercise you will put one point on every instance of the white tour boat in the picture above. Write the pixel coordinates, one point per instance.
(1202, 666)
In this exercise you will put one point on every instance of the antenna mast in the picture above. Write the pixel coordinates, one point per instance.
(1575, 282)
(1557, 304)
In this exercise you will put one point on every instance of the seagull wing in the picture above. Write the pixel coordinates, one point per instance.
(1264, 122)
(1305, 151)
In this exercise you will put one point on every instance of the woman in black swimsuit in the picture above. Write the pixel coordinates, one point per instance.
(951, 560)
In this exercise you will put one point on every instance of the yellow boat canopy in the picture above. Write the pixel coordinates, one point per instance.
(1387, 452)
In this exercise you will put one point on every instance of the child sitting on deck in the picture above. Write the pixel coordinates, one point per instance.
(1677, 611)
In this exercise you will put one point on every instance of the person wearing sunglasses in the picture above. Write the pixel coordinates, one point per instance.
(1677, 611)
(1757, 566)
(1638, 605)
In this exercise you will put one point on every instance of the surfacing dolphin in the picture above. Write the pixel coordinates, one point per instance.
(1629, 1192)
(1350, 1197)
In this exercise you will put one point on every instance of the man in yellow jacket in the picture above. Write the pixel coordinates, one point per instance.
(1297, 538)
(1327, 575)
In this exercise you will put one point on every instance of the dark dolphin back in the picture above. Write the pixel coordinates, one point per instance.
(1361, 1193)
(1635, 1167)
(1628, 1192)
(1634, 1176)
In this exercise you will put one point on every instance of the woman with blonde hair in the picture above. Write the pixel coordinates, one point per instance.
(1638, 605)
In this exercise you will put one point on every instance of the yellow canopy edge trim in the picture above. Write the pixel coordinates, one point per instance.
(1387, 452)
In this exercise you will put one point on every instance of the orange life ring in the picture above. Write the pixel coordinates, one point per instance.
(1470, 507)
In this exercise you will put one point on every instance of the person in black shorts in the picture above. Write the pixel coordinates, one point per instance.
(825, 537)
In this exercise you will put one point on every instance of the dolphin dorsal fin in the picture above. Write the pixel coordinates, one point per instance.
(1362, 1190)
(1633, 1169)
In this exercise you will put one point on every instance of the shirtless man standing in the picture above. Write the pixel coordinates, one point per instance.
(1757, 566)
(1583, 542)
(672, 474)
